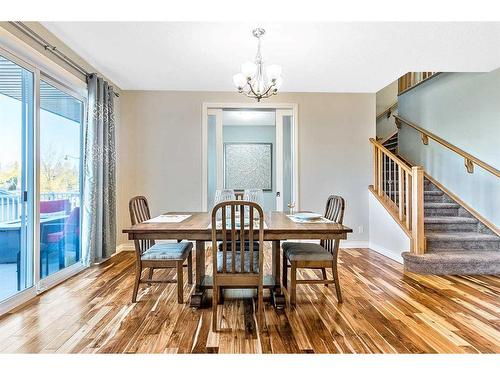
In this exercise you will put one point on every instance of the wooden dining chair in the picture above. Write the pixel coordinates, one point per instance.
(314, 256)
(233, 268)
(158, 255)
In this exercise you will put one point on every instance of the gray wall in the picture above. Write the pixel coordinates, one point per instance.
(164, 163)
(384, 99)
(463, 109)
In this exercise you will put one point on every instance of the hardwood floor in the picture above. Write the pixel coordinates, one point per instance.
(384, 311)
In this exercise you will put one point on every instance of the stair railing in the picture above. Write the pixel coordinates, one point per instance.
(400, 189)
(469, 160)
(413, 79)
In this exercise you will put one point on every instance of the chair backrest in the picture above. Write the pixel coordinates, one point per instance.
(57, 205)
(233, 230)
(139, 212)
(334, 211)
(72, 224)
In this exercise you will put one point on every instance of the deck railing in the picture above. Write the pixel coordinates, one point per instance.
(10, 206)
(400, 189)
(413, 79)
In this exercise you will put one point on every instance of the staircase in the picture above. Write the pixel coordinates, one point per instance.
(456, 242)
(391, 143)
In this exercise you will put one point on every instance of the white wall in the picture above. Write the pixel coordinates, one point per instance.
(463, 109)
(386, 236)
(163, 155)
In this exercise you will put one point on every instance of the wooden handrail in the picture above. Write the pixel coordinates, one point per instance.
(388, 110)
(400, 189)
(469, 160)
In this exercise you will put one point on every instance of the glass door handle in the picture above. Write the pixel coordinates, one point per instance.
(278, 194)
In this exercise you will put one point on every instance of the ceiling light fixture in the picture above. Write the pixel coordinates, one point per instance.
(254, 81)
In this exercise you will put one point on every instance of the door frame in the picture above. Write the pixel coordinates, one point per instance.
(212, 107)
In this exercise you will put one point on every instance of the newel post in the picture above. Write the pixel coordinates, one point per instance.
(417, 210)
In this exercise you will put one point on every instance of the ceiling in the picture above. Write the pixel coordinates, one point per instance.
(316, 57)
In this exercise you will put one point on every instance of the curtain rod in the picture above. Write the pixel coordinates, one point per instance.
(51, 48)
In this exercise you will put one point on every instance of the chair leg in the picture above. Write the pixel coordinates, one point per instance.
(337, 283)
(214, 308)
(293, 286)
(150, 274)
(220, 296)
(138, 271)
(190, 268)
(180, 282)
(284, 273)
(260, 308)
(323, 271)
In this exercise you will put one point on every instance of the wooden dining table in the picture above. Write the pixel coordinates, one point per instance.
(278, 227)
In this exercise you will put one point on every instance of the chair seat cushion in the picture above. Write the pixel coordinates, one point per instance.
(306, 251)
(168, 251)
(238, 246)
(237, 265)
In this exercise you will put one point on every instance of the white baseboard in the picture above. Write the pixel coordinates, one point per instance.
(388, 253)
(353, 244)
(125, 247)
(17, 300)
(343, 244)
(60, 276)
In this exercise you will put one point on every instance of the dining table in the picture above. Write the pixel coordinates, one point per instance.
(196, 227)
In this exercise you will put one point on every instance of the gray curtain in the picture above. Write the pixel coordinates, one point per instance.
(99, 186)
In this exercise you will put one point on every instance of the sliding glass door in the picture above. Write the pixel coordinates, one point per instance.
(61, 117)
(16, 177)
(41, 126)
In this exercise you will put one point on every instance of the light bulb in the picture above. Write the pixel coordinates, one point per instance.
(239, 80)
(248, 69)
(273, 72)
(278, 83)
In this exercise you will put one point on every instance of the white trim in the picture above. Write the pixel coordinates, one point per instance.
(124, 247)
(219, 147)
(17, 299)
(343, 244)
(60, 276)
(279, 158)
(207, 109)
(353, 244)
(386, 252)
(36, 182)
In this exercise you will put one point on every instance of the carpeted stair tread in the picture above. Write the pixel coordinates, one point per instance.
(441, 205)
(460, 236)
(449, 220)
(455, 256)
(433, 192)
(485, 262)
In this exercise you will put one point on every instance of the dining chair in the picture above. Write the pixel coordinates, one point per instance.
(158, 255)
(233, 268)
(314, 256)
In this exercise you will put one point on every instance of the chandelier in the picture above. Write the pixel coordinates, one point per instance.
(254, 81)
